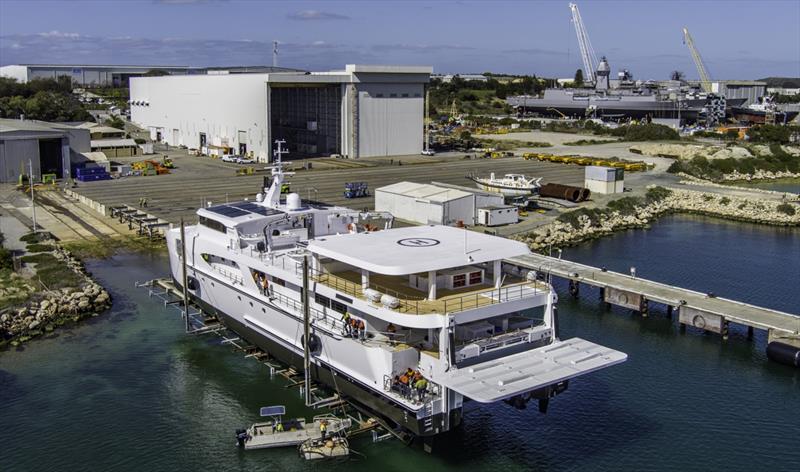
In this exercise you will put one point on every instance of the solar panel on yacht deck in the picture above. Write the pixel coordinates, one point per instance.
(273, 410)
(229, 211)
(253, 208)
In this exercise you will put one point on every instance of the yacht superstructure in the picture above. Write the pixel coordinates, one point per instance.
(386, 307)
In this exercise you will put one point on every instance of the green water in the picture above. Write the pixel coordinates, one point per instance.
(129, 391)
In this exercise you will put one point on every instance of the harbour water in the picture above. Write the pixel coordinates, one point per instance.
(783, 185)
(129, 391)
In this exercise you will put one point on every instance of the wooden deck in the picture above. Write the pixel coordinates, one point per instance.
(414, 301)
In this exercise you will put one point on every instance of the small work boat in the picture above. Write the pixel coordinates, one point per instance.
(510, 185)
(280, 432)
(329, 448)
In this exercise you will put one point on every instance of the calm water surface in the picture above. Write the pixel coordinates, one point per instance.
(128, 391)
(784, 185)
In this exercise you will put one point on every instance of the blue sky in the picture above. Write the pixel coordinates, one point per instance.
(738, 39)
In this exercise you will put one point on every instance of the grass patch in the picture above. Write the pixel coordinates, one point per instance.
(537, 144)
(40, 247)
(54, 274)
(7, 280)
(6, 261)
(33, 238)
(587, 142)
(108, 247)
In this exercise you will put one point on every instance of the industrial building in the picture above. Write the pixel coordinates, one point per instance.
(48, 146)
(432, 204)
(732, 89)
(115, 75)
(361, 111)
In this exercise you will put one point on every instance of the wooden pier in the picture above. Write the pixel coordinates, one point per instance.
(700, 310)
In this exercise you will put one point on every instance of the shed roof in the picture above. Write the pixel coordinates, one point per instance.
(104, 143)
(427, 192)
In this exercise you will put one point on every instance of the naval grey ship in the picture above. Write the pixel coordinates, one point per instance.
(629, 99)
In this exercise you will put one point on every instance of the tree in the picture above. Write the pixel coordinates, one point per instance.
(677, 75)
(578, 82)
(115, 122)
(465, 136)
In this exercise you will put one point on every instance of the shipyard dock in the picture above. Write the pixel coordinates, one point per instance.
(699, 310)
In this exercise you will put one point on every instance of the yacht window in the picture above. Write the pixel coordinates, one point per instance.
(278, 281)
(459, 280)
(339, 307)
(475, 278)
(322, 300)
(213, 224)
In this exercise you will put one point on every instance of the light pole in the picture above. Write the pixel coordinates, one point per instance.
(33, 195)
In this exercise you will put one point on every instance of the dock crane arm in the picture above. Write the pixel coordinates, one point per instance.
(587, 51)
(705, 80)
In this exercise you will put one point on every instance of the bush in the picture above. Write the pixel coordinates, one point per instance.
(649, 132)
(32, 238)
(40, 247)
(771, 133)
(656, 194)
(786, 209)
(625, 205)
(6, 260)
(724, 201)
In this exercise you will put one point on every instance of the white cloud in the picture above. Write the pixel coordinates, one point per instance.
(59, 34)
(306, 15)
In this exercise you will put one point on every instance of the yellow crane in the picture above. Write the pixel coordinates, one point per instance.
(453, 111)
(705, 80)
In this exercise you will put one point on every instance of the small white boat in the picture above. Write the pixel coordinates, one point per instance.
(510, 185)
(280, 432)
(328, 448)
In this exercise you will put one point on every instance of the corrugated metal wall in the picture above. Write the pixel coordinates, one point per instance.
(390, 119)
(14, 156)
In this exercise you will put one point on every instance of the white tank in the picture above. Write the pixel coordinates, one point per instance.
(389, 301)
(372, 295)
(293, 202)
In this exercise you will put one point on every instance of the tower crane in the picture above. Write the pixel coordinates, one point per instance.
(587, 51)
(705, 80)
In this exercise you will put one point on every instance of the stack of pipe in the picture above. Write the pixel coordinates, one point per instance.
(566, 192)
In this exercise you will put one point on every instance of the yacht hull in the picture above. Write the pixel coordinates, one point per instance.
(323, 373)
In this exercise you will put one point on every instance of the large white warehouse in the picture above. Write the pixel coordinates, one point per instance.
(361, 111)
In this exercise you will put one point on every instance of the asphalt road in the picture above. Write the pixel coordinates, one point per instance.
(198, 180)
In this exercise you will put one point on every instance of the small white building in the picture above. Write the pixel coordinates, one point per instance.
(498, 215)
(604, 180)
(361, 111)
(431, 204)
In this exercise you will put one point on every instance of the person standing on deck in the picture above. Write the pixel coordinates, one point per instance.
(323, 428)
(346, 322)
(362, 330)
(421, 385)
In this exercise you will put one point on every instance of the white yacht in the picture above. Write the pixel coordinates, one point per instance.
(510, 185)
(437, 300)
